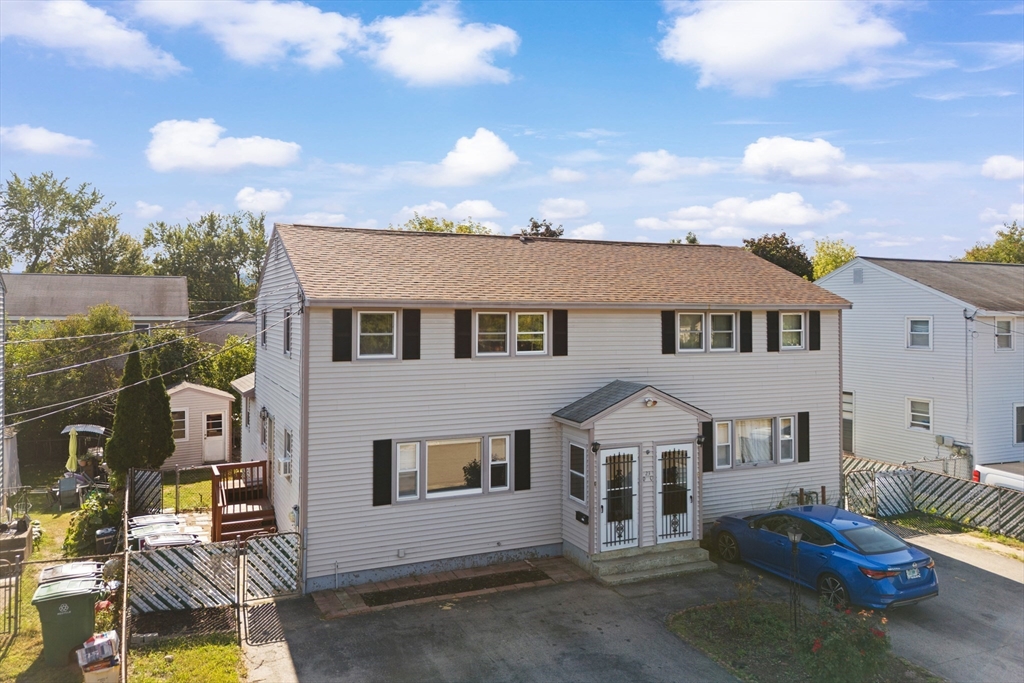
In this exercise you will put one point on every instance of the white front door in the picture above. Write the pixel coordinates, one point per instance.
(618, 498)
(213, 437)
(674, 493)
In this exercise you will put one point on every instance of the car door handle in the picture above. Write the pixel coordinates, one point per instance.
(822, 555)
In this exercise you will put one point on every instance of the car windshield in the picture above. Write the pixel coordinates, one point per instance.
(872, 540)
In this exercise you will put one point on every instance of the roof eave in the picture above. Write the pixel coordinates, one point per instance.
(454, 303)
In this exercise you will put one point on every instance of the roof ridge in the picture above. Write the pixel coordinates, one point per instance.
(923, 260)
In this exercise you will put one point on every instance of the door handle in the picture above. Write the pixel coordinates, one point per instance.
(822, 555)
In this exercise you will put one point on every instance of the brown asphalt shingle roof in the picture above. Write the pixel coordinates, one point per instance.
(990, 286)
(58, 295)
(349, 264)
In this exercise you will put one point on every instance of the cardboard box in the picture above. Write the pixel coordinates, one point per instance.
(100, 646)
(112, 674)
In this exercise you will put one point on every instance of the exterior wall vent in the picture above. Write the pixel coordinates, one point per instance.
(858, 276)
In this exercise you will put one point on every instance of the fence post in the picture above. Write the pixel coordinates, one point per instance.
(874, 490)
(177, 490)
(999, 510)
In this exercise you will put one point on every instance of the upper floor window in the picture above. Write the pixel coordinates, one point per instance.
(376, 334)
(142, 327)
(919, 414)
(919, 333)
(285, 462)
(492, 334)
(247, 402)
(792, 330)
(263, 328)
(531, 333)
(1018, 423)
(691, 331)
(287, 331)
(723, 332)
(1004, 334)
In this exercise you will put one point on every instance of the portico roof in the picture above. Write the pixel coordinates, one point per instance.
(587, 410)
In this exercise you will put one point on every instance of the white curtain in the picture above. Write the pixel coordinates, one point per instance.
(755, 440)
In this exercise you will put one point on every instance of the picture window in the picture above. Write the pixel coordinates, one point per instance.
(453, 467)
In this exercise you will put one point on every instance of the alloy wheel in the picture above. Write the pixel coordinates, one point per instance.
(728, 549)
(833, 592)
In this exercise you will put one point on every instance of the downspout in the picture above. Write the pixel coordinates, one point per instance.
(304, 427)
(969, 379)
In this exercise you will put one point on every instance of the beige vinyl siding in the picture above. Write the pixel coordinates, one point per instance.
(573, 530)
(189, 453)
(998, 385)
(354, 403)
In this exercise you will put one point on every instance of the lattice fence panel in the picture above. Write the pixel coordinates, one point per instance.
(190, 577)
(147, 493)
(970, 503)
(272, 566)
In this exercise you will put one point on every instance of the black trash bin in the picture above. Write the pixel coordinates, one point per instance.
(105, 540)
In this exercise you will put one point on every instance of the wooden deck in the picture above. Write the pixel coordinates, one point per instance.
(241, 496)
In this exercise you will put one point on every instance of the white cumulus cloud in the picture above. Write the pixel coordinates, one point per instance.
(25, 138)
(817, 160)
(998, 218)
(145, 210)
(198, 146)
(566, 175)
(86, 33)
(477, 209)
(559, 208)
(320, 218)
(749, 46)
(1003, 167)
(435, 46)
(484, 155)
(251, 199)
(661, 166)
(590, 231)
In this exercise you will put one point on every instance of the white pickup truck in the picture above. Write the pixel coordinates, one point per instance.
(1009, 475)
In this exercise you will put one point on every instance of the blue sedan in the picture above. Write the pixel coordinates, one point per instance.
(847, 558)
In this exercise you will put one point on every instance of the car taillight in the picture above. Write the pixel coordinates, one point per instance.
(876, 574)
(930, 565)
(976, 476)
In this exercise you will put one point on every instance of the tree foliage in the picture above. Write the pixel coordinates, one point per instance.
(159, 425)
(782, 251)
(542, 228)
(99, 247)
(1008, 247)
(38, 213)
(127, 446)
(420, 223)
(691, 238)
(831, 254)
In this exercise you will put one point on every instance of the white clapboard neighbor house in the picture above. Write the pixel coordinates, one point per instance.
(933, 361)
(433, 401)
(201, 419)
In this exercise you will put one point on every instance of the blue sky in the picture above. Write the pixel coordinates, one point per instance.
(896, 126)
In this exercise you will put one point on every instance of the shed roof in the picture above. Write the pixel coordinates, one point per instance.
(56, 295)
(989, 286)
(245, 383)
(181, 386)
(350, 264)
(611, 395)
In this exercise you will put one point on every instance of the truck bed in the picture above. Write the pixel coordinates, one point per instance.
(1008, 467)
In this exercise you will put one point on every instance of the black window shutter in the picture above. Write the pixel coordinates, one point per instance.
(411, 334)
(522, 460)
(463, 333)
(772, 318)
(803, 437)
(559, 333)
(382, 472)
(746, 331)
(342, 335)
(668, 332)
(814, 331)
(708, 449)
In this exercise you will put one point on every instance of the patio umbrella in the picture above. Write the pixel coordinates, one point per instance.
(72, 463)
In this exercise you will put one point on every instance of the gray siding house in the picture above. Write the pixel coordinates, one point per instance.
(434, 401)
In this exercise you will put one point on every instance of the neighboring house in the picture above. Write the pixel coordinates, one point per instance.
(430, 400)
(237, 323)
(246, 388)
(148, 299)
(3, 411)
(201, 417)
(933, 360)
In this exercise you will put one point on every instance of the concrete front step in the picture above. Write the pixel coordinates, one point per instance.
(605, 567)
(657, 573)
(649, 549)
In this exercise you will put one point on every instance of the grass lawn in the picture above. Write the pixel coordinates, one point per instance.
(210, 659)
(194, 492)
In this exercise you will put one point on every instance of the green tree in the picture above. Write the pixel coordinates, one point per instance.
(420, 223)
(177, 356)
(159, 425)
(783, 252)
(237, 359)
(128, 445)
(829, 255)
(1008, 247)
(220, 254)
(99, 247)
(37, 214)
(542, 228)
(691, 238)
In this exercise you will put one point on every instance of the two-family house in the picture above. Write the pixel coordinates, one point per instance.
(933, 364)
(432, 401)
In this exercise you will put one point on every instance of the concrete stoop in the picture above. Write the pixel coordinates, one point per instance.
(640, 564)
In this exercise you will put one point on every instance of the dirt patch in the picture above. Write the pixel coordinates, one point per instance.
(454, 586)
(186, 622)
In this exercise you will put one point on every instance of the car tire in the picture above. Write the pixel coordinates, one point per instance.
(728, 548)
(833, 592)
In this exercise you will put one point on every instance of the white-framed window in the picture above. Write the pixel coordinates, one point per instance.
(497, 452)
(919, 333)
(787, 444)
(691, 332)
(848, 408)
(723, 332)
(263, 428)
(409, 470)
(531, 333)
(919, 414)
(248, 410)
(285, 461)
(453, 467)
(179, 424)
(142, 327)
(287, 331)
(376, 334)
(1004, 334)
(755, 442)
(723, 445)
(792, 330)
(492, 334)
(578, 473)
(263, 328)
(1018, 423)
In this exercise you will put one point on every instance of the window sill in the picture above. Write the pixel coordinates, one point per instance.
(454, 494)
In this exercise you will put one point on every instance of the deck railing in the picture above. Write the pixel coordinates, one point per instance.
(235, 483)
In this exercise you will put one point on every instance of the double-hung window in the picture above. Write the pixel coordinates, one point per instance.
(531, 333)
(919, 414)
(848, 421)
(453, 467)
(787, 447)
(1004, 334)
(248, 410)
(285, 462)
(179, 424)
(578, 473)
(723, 445)
(409, 470)
(376, 334)
(492, 334)
(722, 332)
(792, 330)
(1018, 423)
(498, 454)
(919, 333)
(691, 332)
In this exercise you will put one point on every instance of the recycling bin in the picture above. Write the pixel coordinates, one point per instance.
(66, 612)
(71, 570)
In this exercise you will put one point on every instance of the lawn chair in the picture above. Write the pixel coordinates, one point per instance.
(67, 493)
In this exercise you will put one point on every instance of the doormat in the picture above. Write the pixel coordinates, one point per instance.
(430, 590)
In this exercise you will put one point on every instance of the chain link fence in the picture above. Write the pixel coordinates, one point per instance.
(188, 489)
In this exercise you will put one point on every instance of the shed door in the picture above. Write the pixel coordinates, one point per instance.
(674, 493)
(618, 498)
(214, 439)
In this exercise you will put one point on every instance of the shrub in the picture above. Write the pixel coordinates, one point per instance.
(99, 510)
(843, 646)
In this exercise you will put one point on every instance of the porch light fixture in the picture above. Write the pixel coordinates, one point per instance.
(650, 402)
(700, 439)
(595, 447)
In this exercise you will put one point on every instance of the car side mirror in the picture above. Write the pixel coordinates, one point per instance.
(750, 524)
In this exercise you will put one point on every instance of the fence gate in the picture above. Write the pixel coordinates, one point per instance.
(147, 493)
(10, 597)
(272, 566)
(186, 578)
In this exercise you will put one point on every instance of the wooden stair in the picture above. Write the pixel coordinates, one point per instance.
(242, 520)
(242, 506)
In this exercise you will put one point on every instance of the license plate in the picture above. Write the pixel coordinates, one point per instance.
(913, 573)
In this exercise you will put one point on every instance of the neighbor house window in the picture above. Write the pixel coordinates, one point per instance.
(691, 331)
(722, 332)
(248, 410)
(376, 334)
(287, 331)
(179, 422)
(787, 447)
(792, 330)
(578, 473)
(1004, 334)
(491, 334)
(723, 444)
(919, 333)
(263, 328)
(142, 327)
(530, 333)
(1018, 423)
(453, 467)
(409, 470)
(498, 451)
(919, 414)
(754, 441)
(263, 428)
(285, 463)
(848, 421)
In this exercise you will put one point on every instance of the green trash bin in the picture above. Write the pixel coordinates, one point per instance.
(67, 613)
